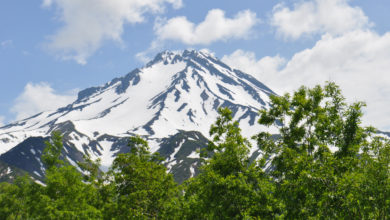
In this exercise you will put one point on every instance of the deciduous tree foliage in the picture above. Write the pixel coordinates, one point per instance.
(141, 187)
(229, 186)
(325, 164)
(64, 196)
(137, 187)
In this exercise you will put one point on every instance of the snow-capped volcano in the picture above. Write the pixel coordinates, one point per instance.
(174, 93)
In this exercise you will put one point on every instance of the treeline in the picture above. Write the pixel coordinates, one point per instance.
(323, 164)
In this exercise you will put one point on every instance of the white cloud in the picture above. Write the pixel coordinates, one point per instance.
(348, 53)
(144, 56)
(88, 23)
(318, 17)
(357, 61)
(37, 98)
(215, 27)
(263, 69)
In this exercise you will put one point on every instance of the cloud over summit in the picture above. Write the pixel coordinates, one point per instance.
(215, 27)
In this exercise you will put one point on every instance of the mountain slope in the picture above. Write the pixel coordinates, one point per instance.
(174, 93)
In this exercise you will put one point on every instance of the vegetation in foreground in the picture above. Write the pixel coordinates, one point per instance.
(323, 165)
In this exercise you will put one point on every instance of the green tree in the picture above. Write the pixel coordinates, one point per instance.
(229, 186)
(66, 195)
(365, 190)
(52, 152)
(323, 161)
(140, 185)
(18, 200)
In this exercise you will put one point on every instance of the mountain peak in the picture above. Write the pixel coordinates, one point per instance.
(178, 91)
(173, 56)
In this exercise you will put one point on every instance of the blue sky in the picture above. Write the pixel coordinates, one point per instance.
(50, 49)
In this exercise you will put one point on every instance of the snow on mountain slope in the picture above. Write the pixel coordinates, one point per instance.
(177, 91)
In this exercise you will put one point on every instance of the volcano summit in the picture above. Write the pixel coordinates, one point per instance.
(171, 101)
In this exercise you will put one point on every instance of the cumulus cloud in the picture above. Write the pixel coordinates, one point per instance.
(263, 69)
(37, 98)
(357, 61)
(349, 53)
(88, 23)
(317, 17)
(215, 27)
